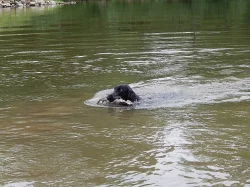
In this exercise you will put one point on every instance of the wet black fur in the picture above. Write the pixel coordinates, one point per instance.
(124, 92)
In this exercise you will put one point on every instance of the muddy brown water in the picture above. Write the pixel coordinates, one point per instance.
(189, 62)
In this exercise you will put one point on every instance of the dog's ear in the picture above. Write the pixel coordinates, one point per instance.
(132, 96)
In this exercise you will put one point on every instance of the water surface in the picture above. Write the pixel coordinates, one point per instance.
(187, 60)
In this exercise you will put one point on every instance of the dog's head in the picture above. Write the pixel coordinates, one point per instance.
(123, 92)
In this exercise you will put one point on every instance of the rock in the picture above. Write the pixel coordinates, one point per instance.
(32, 3)
(52, 3)
(6, 5)
(40, 2)
(19, 4)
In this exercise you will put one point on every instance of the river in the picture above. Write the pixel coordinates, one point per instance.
(189, 62)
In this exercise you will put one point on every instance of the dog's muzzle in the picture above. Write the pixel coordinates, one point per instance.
(112, 97)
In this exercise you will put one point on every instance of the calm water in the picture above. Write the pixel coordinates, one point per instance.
(188, 60)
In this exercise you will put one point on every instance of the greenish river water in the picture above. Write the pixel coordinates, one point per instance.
(189, 62)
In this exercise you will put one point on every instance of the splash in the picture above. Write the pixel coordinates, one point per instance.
(179, 92)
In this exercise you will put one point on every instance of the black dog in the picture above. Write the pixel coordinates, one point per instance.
(123, 92)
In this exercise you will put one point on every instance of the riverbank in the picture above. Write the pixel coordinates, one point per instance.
(27, 3)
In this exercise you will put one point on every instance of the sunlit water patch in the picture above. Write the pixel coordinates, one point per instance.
(178, 92)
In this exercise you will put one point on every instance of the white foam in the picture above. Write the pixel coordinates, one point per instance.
(170, 92)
